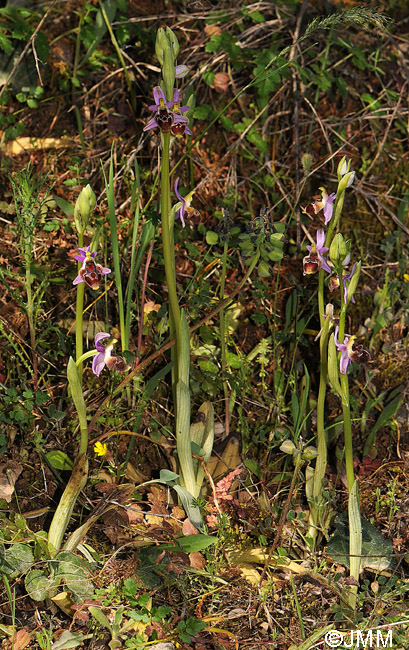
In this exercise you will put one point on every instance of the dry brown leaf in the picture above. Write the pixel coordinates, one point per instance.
(212, 30)
(197, 561)
(9, 473)
(21, 639)
(178, 512)
(221, 82)
(188, 528)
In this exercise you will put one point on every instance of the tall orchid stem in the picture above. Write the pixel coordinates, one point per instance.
(346, 408)
(321, 461)
(355, 530)
(79, 312)
(168, 248)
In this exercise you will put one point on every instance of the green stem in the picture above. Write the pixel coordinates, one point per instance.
(85, 356)
(169, 256)
(349, 453)
(79, 311)
(115, 248)
(168, 250)
(30, 317)
(222, 326)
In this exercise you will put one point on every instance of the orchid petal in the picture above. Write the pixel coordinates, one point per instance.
(158, 94)
(151, 125)
(78, 280)
(179, 119)
(176, 190)
(325, 266)
(99, 337)
(320, 238)
(344, 363)
(328, 211)
(98, 363)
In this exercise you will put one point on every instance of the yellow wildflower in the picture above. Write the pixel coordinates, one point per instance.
(100, 449)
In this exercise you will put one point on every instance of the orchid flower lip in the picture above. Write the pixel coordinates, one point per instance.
(90, 272)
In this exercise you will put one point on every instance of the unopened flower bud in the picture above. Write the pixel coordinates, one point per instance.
(338, 250)
(288, 447)
(343, 167)
(84, 207)
(309, 453)
(306, 162)
(173, 41)
(345, 182)
(161, 43)
(353, 283)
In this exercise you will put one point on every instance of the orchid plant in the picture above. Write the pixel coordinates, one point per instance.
(90, 274)
(330, 256)
(171, 120)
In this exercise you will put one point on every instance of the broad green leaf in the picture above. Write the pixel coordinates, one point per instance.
(377, 550)
(59, 460)
(38, 584)
(166, 476)
(17, 559)
(190, 543)
(68, 640)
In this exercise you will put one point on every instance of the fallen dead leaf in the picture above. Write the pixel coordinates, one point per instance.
(9, 473)
(221, 82)
(21, 639)
(188, 528)
(197, 561)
